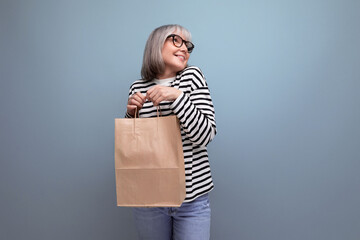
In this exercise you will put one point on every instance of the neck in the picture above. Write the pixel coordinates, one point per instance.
(166, 74)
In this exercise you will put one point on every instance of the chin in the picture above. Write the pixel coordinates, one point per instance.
(182, 66)
(178, 68)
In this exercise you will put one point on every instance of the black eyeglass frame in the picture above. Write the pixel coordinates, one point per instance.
(189, 48)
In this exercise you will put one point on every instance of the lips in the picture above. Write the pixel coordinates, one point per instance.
(181, 57)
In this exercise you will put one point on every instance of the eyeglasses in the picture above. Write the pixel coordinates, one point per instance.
(178, 42)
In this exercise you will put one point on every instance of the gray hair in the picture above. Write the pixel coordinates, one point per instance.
(153, 63)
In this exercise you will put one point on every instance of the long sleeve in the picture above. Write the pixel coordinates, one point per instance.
(194, 108)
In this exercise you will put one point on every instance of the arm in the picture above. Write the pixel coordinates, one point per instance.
(196, 111)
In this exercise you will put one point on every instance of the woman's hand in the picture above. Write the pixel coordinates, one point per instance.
(135, 101)
(160, 93)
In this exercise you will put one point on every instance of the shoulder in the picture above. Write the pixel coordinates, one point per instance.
(195, 75)
(192, 70)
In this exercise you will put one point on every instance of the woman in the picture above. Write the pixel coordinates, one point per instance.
(167, 81)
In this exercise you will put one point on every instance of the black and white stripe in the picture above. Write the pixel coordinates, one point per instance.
(195, 110)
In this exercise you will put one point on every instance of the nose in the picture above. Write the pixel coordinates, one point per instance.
(183, 48)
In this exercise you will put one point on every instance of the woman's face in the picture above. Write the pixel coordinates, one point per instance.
(175, 58)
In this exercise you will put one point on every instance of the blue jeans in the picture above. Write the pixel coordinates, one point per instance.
(190, 221)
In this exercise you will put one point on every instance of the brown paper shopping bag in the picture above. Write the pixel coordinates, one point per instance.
(149, 162)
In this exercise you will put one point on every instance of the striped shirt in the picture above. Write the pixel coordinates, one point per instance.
(195, 110)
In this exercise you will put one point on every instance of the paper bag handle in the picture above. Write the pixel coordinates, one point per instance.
(158, 109)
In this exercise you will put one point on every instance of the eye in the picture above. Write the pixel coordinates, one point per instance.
(177, 39)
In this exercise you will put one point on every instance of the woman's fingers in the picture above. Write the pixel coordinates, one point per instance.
(131, 109)
(135, 101)
(155, 94)
(151, 92)
(158, 97)
(159, 93)
(138, 97)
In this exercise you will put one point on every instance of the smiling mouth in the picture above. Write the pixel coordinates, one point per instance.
(181, 57)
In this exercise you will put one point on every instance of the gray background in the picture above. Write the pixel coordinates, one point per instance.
(284, 77)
